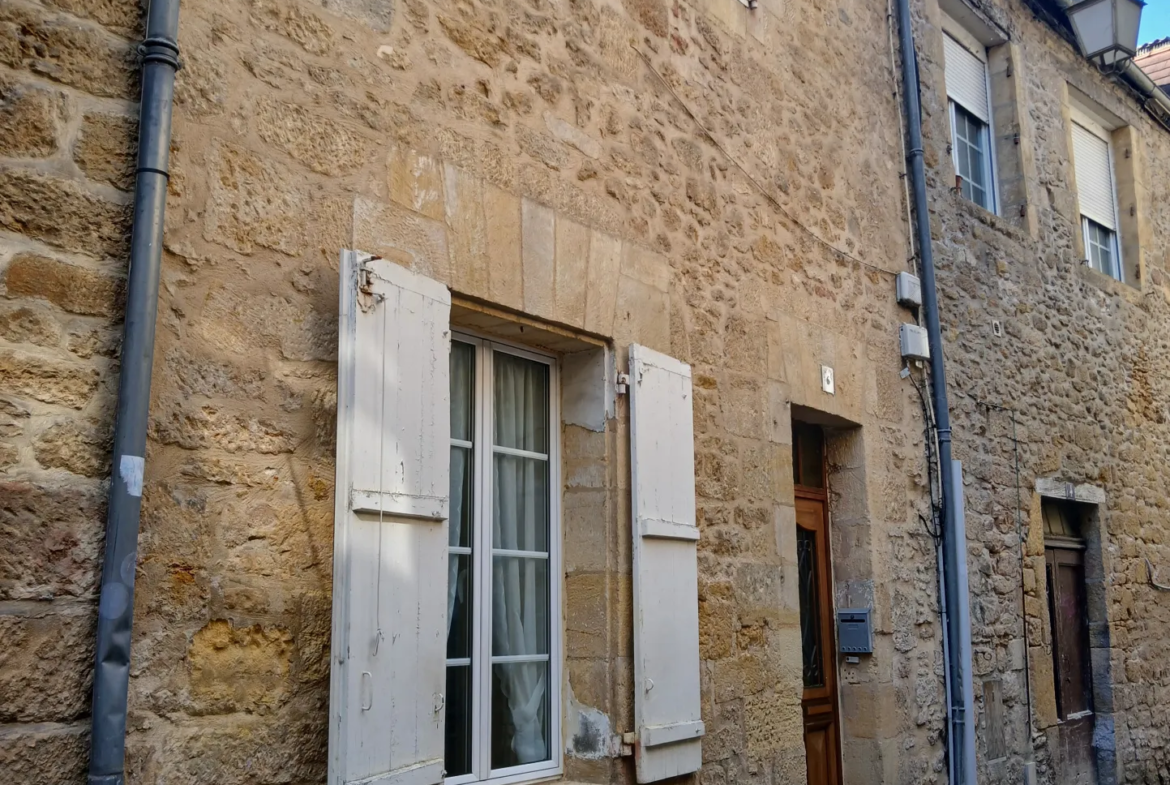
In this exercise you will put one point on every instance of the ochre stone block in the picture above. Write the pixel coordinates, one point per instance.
(106, 149)
(602, 283)
(586, 619)
(467, 229)
(35, 754)
(71, 287)
(66, 51)
(572, 263)
(52, 534)
(239, 668)
(46, 378)
(402, 236)
(312, 139)
(417, 183)
(253, 202)
(501, 212)
(46, 665)
(62, 213)
(81, 446)
(29, 324)
(30, 119)
(538, 251)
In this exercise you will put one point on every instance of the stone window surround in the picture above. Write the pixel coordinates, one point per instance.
(1092, 500)
(1125, 146)
(1011, 152)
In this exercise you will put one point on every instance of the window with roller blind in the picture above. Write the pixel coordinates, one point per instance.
(969, 103)
(1096, 193)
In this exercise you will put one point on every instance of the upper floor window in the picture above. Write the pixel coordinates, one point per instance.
(968, 98)
(1096, 193)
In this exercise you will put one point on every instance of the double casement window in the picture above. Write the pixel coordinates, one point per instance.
(446, 662)
(502, 598)
(970, 110)
(1096, 193)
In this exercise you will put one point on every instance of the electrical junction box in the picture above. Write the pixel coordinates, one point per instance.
(854, 631)
(909, 290)
(914, 342)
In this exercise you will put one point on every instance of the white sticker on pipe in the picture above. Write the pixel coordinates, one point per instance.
(131, 468)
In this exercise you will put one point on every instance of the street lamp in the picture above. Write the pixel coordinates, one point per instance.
(1107, 30)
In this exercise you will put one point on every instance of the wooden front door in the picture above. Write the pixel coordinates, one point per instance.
(822, 727)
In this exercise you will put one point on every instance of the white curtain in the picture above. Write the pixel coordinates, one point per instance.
(520, 585)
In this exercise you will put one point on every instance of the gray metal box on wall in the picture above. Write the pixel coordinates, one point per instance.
(854, 631)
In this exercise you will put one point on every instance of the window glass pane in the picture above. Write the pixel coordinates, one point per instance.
(520, 714)
(520, 600)
(970, 143)
(457, 749)
(521, 403)
(459, 526)
(810, 612)
(462, 390)
(520, 502)
(459, 606)
(810, 455)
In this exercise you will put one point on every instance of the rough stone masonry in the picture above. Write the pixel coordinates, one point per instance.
(730, 181)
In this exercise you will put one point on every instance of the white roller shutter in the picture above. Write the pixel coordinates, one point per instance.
(390, 536)
(1094, 172)
(666, 600)
(966, 78)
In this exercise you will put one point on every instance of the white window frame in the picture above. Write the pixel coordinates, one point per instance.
(481, 688)
(1094, 125)
(1118, 272)
(988, 156)
(967, 41)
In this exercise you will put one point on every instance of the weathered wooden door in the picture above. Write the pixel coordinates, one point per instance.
(822, 728)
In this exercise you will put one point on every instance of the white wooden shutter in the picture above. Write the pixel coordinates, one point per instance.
(666, 596)
(1094, 173)
(390, 536)
(966, 76)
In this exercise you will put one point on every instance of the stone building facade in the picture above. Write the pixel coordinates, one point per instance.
(718, 183)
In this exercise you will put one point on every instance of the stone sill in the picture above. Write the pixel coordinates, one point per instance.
(1108, 284)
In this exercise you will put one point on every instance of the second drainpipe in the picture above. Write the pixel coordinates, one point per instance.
(111, 679)
(961, 722)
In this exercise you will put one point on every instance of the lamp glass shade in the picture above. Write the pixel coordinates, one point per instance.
(1092, 22)
(1129, 19)
(1107, 30)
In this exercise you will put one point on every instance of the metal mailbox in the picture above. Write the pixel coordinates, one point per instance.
(854, 631)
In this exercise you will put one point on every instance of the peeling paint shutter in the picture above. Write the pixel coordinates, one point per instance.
(390, 539)
(666, 598)
(1094, 173)
(966, 76)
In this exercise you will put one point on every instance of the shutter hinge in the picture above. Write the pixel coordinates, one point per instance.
(623, 383)
(367, 297)
(622, 744)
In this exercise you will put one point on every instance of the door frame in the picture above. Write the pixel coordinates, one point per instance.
(829, 691)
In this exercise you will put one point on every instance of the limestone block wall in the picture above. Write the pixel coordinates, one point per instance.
(67, 87)
(1079, 359)
(676, 173)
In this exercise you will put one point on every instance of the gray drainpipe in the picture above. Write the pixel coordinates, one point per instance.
(111, 679)
(960, 723)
